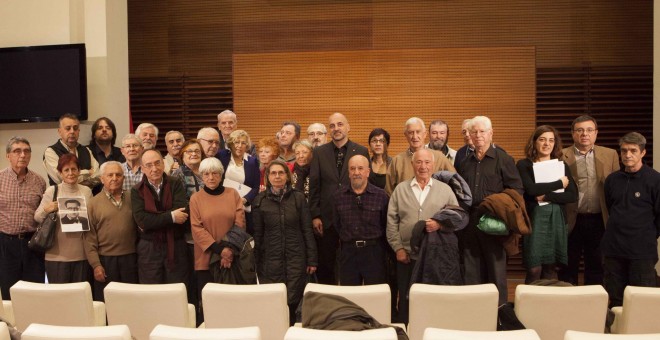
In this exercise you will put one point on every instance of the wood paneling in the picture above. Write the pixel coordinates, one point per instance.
(385, 88)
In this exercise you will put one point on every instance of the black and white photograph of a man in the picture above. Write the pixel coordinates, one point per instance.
(73, 214)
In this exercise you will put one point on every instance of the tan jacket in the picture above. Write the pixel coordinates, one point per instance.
(607, 162)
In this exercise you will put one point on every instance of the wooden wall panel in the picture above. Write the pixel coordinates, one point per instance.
(385, 88)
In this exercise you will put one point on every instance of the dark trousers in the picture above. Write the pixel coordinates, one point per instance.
(153, 266)
(18, 262)
(619, 273)
(484, 259)
(68, 272)
(585, 238)
(403, 274)
(121, 268)
(362, 265)
(327, 248)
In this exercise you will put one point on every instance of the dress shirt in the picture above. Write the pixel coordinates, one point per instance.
(360, 217)
(19, 199)
(130, 178)
(420, 193)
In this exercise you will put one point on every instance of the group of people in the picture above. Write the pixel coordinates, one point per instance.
(338, 211)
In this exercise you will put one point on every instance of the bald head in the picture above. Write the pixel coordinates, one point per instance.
(358, 172)
(422, 162)
(339, 128)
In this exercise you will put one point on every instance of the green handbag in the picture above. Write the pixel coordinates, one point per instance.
(492, 225)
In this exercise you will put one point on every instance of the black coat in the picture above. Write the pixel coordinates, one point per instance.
(284, 240)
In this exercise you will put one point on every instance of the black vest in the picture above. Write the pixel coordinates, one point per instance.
(84, 158)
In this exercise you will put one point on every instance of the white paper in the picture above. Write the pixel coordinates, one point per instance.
(73, 215)
(547, 172)
(240, 187)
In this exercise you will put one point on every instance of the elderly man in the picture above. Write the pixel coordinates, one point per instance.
(630, 242)
(110, 242)
(590, 165)
(401, 168)
(468, 147)
(69, 131)
(159, 208)
(328, 173)
(102, 145)
(487, 171)
(173, 140)
(289, 135)
(20, 194)
(414, 200)
(132, 149)
(228, 123)
(316, 134)
(360, 213)
(438, 136)
(210, 141)
(148, 135)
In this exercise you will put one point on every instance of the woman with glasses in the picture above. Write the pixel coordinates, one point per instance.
(285, 248)
(379, 140)
(241, 168)
(300, 176)
(547, 245)
(66, 261)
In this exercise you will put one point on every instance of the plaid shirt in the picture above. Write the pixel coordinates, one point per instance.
(19, 199)
(360, 217)
(130, 178)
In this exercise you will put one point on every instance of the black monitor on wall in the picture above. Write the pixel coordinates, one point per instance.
(40, 83)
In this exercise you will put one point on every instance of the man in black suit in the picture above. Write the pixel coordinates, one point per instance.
(73, 214)
(328, 173)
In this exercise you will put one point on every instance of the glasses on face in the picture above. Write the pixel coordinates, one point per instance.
(317, 133)
(277, 173)
(212, 142)
(132, 146)
(377, 141)
(237, 143)
(154, 164)
(587, 130)
(193, 152)
(21, 151)
(211, 174)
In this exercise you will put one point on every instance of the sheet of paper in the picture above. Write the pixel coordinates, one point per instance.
(549, 171)
(241, 188)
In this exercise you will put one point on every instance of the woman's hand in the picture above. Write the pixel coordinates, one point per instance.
(50, 207)
(311, 269)
(564, 181)
(226, 257)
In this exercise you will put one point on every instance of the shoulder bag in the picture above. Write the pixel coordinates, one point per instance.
(42, 239)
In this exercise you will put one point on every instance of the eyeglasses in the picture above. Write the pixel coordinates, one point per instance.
(154, 164)
(21, 151)
(132, 146)
(317, 133)
(581, 130)
(212, 142)
(377, 141)
(240, 143)
(193, 152)
(277, 173)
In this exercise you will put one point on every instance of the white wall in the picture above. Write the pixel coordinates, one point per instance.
(100, 24)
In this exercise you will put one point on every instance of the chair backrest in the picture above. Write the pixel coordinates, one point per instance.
(61, 304)
(468, 308)
(48, 332)
(451, 334)
(231, 306)
(641, 310)
(162, 332)
(551, 311)
(143, 306)
(575, 335)
(299, 333)
(374, 299)
(4, 331)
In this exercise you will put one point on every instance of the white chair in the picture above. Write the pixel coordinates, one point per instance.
(640, 311)
(299, 333)
(61, 304)
(6, 311)
(551, 311)
(231, 306)
(468, 308)
(451, 334)
(162, 332)
(575, 335)
(143, 306)
(374, 299)
(48, 332)
(4, 331)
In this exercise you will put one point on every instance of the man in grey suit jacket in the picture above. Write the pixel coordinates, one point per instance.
(328, 173)
(590, 164)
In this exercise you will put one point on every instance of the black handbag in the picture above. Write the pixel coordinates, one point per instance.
(42, 239)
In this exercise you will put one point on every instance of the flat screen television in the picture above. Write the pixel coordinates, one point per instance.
(40, 83)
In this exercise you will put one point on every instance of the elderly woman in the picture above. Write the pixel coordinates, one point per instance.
(547, 245)
(284, 241)
(300, 176)
(192, 155)
(210, 224)
(267, 150)
(65, 260)
(379, 140)
(242, 168)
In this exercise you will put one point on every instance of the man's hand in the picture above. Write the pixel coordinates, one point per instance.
(432, 225)
(402, 256)
(311, 269)
(99, 274)
(180, 215)
(318, 226)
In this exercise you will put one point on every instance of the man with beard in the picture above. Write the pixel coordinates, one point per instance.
(360, 213)
(148, 135)
(316, 133)
(438, 135)
(173, 140)
(102, 145)
(328, 173)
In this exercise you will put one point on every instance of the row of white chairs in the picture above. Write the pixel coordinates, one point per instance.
(163, 332)
(550, 311)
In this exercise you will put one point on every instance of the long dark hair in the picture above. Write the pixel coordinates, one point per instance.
(530, 148)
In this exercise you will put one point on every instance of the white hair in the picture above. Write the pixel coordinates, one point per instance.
(130, 136)
(317, 126)
(485, 121)
(211, 165)
(177, 132)
(228, 113)
(414, 120)
(105, 165)
(145, 126)
(205, 131)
